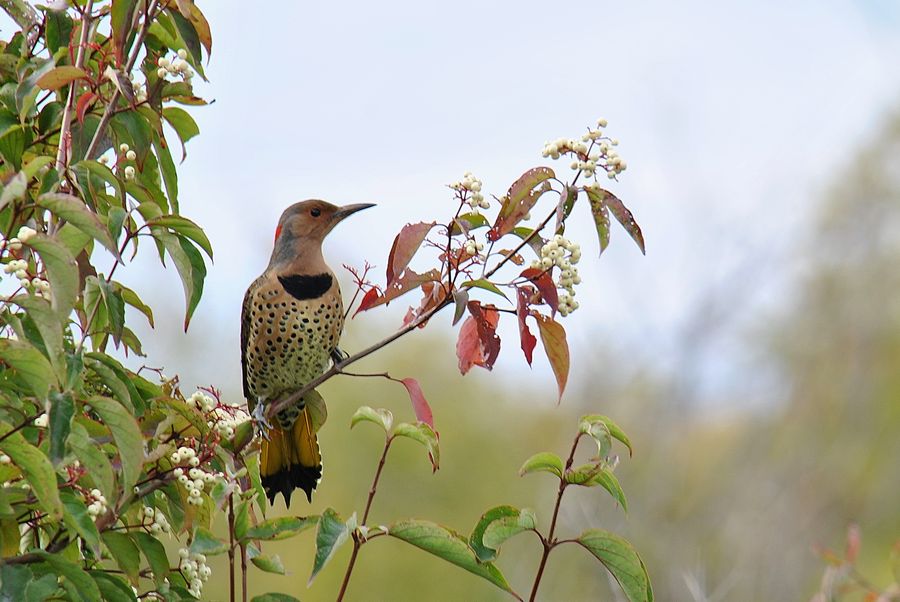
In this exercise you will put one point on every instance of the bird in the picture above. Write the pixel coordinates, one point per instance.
(291, 322)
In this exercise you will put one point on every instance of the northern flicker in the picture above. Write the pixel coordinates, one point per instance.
(291, 323)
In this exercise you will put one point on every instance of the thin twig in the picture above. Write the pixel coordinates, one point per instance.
(231, 546)
(129, 65)
(357, 543)
(549, 542)
(65, 132)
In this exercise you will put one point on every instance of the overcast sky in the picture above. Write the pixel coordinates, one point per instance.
(733, 117)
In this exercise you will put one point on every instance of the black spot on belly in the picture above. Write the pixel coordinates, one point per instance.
(303, 286)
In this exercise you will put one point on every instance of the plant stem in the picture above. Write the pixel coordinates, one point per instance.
(231, 590)
(357, 544)
(129, 65)
(243, 573)
(549, 542)
(65, 132)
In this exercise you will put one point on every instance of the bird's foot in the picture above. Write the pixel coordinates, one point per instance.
(338, 355)
(262, 425)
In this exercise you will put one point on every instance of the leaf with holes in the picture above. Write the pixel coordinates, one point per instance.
(478, 343)
(526, 339)
(553, 336)
(601, 217)
(519, 200)
(406, 243)
(626, 218)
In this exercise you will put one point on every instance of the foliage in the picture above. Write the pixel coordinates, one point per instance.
(103, 465)
(842, 579)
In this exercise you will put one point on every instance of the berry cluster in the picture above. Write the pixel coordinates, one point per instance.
(562, 253)
(98, 505)
(469, 191)
(194, 569)
(473, 248)
(594, 151)
(196, 479)
(140, 91)
(178, 67)
(158, 521)
(130, 155)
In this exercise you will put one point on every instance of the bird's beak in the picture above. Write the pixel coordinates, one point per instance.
(348, 210)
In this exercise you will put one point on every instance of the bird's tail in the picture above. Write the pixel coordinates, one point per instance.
(290, 460)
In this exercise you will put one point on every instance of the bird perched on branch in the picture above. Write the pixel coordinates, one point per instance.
(291, 323)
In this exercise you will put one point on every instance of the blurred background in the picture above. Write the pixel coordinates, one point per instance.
(752, 355)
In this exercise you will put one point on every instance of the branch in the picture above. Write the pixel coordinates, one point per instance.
(21, 12)
(65, 132)
(129, 65)
(549, 543)
(357, 543)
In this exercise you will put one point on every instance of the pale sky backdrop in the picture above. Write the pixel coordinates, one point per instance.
(733, 118)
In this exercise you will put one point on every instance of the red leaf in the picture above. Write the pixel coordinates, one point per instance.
(468, 346)
(82, 105)
(519, 200)
(404, 248)
(368, 300)
(625, 217)
(545, 285)
(553, 336)
(478, 343)
(525, 337)
(419, 403)
(407, 282)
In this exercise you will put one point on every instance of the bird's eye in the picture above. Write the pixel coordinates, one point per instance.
(315, 212)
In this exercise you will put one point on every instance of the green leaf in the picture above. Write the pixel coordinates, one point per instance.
(242, 520)
(484, 284)
(476, 539)
(127, 436)
(331, 533)
(112, 588)
(62, 409)
(466, 222)
(281, 528)
(446, 544)
(125, 552)
(269, 564)
(183, 124)
(75, 515)
(93, 459)
(190, 267)
(425, 435)
(543, 462)
(132, 128)
(101, 171)
(35, 165)
(115, 309)
(14, 190)
(74, 211)
(73, 239)
(30, 364)
(274, 597)
(131, 298)
(500, 530)
(111, 378)
(185, 227)
(460, 301)
(155, 553)
(167, 168)
(78, 577)
(617, 433)
(622, 561)
(207, 543)
(59, 77)
(62, 272)
(608, 480)
(50, 328)
(36, 467)
(12, 145)
(381, 417)
(121, 19)
(601, 217)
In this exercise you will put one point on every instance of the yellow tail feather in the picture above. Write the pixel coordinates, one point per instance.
(291, 460)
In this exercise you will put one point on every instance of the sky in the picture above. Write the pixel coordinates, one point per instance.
(734, 118)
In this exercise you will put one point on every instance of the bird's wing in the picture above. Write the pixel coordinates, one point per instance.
(245, 338)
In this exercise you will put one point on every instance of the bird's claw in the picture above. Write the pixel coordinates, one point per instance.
(338, 355)
(260, 422)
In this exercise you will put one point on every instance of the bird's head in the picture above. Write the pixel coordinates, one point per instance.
(304, 225)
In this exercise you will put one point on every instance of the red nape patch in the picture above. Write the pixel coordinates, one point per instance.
(277, 231)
